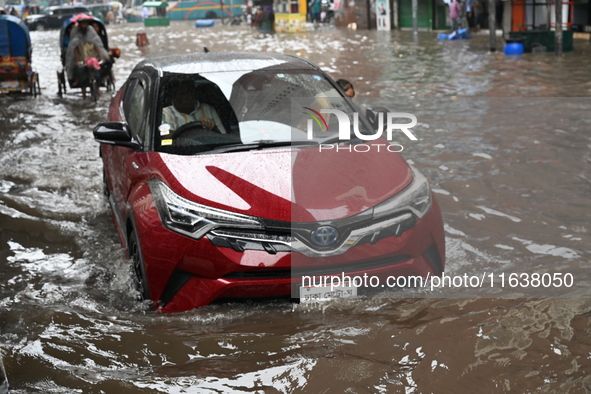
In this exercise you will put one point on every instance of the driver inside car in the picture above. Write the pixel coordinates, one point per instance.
(186, 108)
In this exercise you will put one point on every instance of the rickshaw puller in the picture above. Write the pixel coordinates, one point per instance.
(85, 45)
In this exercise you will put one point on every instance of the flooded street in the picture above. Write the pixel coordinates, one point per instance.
(505, 143)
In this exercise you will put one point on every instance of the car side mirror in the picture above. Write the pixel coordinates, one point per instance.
(114, 133)
(373, 117)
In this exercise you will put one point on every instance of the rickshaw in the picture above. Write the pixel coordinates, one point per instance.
(87, 76)
(117, 8)
(108, 13)
(16, 74)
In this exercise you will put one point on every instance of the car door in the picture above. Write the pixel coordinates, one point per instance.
(66, 13)
(125, 163)
(53, 18)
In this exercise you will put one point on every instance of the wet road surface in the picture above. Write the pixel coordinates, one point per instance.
(505, 143)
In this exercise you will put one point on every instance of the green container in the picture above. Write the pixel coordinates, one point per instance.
(541, 38)
(156, 22)
(160, 19)
(567, 41)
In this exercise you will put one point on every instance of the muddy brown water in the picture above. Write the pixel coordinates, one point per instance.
(505, 143)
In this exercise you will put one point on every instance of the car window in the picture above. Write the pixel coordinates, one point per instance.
(134, 110)
(252, 106)
(127, 91)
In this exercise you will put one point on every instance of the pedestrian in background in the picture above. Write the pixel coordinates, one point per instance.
(479, 14)
(257, 20)
(315, 8)
(470, 13)
(454, 14)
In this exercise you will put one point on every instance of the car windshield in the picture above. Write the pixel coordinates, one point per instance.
(247, 110)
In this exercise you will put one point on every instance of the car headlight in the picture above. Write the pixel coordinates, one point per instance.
(191, 219)
(415, 198)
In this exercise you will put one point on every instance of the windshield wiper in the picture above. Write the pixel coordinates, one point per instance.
(258, 145)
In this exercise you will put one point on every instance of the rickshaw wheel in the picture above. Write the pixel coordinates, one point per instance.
(35, 87)
(111, 83)
(60, 84)
(94, 90)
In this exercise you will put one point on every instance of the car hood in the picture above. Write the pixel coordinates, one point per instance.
(298, 185)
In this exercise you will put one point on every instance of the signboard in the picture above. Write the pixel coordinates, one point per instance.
(383, 14)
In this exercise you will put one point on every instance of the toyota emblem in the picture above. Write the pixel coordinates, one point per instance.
(325, 235)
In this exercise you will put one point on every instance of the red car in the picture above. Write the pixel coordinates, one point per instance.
(222, 186)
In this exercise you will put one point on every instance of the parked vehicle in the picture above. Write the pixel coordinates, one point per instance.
(53, 17)
(244, 205)
(190, 9)
(16, 73)
(156, 13)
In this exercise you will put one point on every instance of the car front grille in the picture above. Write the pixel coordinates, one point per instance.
(296, 237)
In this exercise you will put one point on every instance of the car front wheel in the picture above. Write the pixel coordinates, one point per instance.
(40, 26)
(139, 269)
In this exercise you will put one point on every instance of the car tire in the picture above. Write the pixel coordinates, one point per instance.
(211, 15)
(138, 267)
(40, 27)
(106, 191)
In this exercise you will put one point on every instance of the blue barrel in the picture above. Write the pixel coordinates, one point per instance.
(514, 48)
(204, 23)
(464, 33)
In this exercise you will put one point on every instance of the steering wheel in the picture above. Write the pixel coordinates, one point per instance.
(192, 125)
(186, 127)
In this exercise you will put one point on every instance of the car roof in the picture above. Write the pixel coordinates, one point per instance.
(197, 63)
(55, 7)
